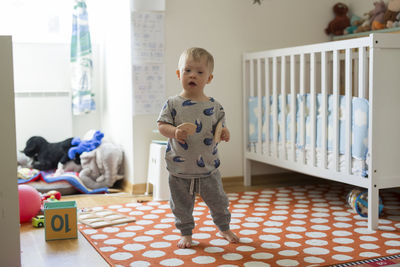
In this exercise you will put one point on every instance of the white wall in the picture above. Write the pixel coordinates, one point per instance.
(9, 208)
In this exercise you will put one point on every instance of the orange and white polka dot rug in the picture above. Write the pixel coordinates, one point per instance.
(285, 226)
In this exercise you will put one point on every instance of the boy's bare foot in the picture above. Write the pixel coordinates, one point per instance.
(185, 242)
(230, 236)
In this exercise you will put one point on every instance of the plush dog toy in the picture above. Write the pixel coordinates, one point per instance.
(80, 146)
(45, 156)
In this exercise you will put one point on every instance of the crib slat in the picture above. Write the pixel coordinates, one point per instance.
(336, 73)
(302, 104)
(324, 108)
(275, 105)
(292, 108)
(361, 72)
(312, 108)
(259, 107)
(348, 83)
(267, 106)
(283, 107)
(252, 90)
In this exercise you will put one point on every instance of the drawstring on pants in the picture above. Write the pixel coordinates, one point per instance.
(192, 190)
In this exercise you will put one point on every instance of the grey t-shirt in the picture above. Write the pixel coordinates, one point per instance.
(198, 157)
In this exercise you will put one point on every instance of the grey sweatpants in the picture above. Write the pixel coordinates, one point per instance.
(211, 191)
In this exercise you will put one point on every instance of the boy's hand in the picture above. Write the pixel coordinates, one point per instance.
(180, 135)
(225, 135)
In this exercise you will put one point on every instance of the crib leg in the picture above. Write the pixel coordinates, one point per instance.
(247, 172)
(373, 208)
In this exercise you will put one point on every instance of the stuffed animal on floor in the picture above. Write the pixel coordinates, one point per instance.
(341, 20)
(46, 156)
(80, 146)
(101, 167)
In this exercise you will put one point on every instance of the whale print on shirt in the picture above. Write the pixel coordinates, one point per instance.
(188, 103)
(199, 125)
(209, 111)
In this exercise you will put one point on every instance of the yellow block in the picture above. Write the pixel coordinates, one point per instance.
(60, 220)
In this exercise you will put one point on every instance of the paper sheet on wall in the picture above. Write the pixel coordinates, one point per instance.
(148, 37)
(149, 88)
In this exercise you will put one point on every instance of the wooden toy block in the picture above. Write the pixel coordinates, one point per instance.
(60, 220)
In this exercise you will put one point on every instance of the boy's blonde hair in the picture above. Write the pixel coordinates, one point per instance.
(196, 54)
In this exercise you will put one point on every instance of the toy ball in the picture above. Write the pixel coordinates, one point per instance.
(29, 202)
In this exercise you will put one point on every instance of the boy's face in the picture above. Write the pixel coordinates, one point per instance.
(194, 75)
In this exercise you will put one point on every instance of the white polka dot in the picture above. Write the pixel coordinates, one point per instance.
(150, 216)
(386, 228)
(137, 213)
(245, 248)
(369, 246)
(300, 210)
(315, 234)
(393, 251)
(292, 244)
(368, 238)
(245, 240)
(391, 235)
(143, 238)
(114, 206)
(341, 257)
(162, 226)
(316, 251)
(343, 249)
(341, 213)
(287, 262)
(369, 254)
(160, 244)
(154, 232)
(153, 253)
(392, 243)
(232, 256)
(133, 247)
(203, 260)
(110, 229)
(170, 262)
(313, 260)
(248, 232)
(201, 236)
(240, 206)
(299, 216)
(272, 230)
(99, 236)
(269, 237)
(270, 245)
(144, 222)
(255, 264)
(342, 219)
(298, 222)
(319, 220)
(185, 251)
(213, 249)
(144, 208)
(158, 211)
(114, 241)
(262, 256)
(316, 242)
(273, 223)
(364, 231)
(250, 225)
(121, 256)
(342, 225)
(288, 253)
(219, 242)
(278, 218)
(171, 237)
(254, 219)
(134, 228)
(125, 234)
(124, 209)
(296, 229)
(294, 236)
(107, 249)
(343, 240)
(341, 233)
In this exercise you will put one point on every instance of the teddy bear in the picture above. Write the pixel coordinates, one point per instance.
(102, 166)
(376, 16)
(393, 9)
(341, 20)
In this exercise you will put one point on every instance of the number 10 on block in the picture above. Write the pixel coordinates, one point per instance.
(60, 220)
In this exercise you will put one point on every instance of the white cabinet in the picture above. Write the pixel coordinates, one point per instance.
(157, 173)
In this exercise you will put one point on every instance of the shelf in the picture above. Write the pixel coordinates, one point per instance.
(363, 34)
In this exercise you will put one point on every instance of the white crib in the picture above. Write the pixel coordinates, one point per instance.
(314, 99)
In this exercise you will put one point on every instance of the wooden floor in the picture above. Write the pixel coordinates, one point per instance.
(35, 251)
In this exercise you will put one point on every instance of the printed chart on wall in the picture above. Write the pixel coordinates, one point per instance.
(148, 62)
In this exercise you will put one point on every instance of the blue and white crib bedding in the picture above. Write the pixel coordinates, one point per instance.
(359, 147)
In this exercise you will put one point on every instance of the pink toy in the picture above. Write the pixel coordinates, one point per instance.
(29, 202)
